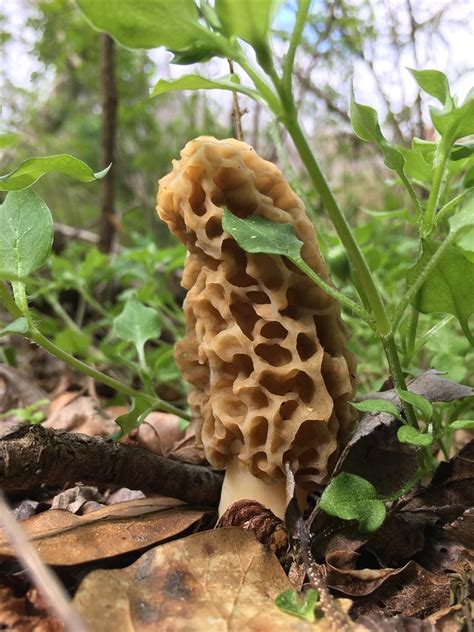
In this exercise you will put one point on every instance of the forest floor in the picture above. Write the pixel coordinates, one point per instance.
(130, 528)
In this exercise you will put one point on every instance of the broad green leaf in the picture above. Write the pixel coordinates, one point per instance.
(408, 434)
(149, 23)
(258, 234)
(195, 82)
(298, 604)
(434, 82)
(393, 214)
(462, 224)
(462, 424)
(351, 497)
(18, 326)
(33, 169)
(250, 22)
(377, 406)
(8, 139)
(449, 287)
(133, 418)
(456, 123)
(416, 166)
(420, 403)
(136, 324)
(26, 234)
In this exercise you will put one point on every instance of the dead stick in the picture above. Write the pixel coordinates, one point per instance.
(33, 455)
(236, 113)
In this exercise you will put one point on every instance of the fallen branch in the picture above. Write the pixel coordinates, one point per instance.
(33, 455)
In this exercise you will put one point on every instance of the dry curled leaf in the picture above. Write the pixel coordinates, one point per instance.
(81, 414)
(158, 433)
(208, 582)
(64, 539)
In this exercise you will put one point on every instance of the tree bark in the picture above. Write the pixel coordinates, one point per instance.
(108, 222)
(33, 455)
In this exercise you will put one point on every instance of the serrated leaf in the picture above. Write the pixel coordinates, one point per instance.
(377, 406)
(133, 418)
(298, 604)
(18, 326)
(420, 403)
(27, 233)
(137, 323)
(258, 234)
(32, 169)
(408, 434)
(434, 82)
(196, 82)
(351, 497)
(449, 287)
(462, 424)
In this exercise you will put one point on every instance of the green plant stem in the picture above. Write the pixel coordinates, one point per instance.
(344, 300)
(265, 90)
(91, 300)
(451, 205)
(78, 365)
(411, 336)
(342, 227)
(414, 289)
(62, 313)
(439, 164)
(396, 372)
(301, 15)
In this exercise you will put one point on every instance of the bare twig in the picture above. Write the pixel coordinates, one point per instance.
(32, 455)
(236, 112)
(40, 575)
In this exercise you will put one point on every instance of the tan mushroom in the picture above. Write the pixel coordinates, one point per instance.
(264, 353)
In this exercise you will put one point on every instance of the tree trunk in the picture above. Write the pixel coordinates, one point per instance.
(108, 222)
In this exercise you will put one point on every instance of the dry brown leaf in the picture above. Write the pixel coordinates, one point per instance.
(214, 581)
(158, 433)
(23, 615)
(82, 415)
(64, 539)
(62, 400)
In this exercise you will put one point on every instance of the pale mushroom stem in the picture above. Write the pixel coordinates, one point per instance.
(239, 484)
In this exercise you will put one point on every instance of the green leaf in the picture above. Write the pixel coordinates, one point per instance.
(298, 604)
(462, 424)
(75, 342)
(434, 82)
(351, 497)
(8, 139)
(459, 152)
(449, 287)
(136, 324)
(149, 23)
(462, 224)
(365, 124)
(456, 123)
(127, 422)
(408, 434)
(195, 82)
(420, 403)
(258, 234)
(250, 22)
(33, 169)
(27, 233)
(377, 406)
(18, 326)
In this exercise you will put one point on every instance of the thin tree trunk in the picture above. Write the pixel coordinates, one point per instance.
(108, 223)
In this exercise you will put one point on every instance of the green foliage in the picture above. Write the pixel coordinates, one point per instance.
(433, 82)
(408, 434)
(27, 233)
(417, 401)
(139, 409)
(377, 406)
(298, 604)
(446, 289)
(31, 170)
(137, 324)
(195, 82)
(29, 414)
(351, 497)
(17, 326)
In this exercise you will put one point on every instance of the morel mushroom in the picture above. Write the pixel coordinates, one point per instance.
(264, 353)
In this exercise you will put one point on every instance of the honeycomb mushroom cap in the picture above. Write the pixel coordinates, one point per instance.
(265, 349)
